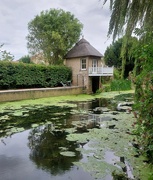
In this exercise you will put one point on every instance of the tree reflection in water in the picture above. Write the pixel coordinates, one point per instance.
(45, 146)
(46, 142)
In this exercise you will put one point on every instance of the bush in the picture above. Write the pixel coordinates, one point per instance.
(120, 85)
(106, 88)
(20, 75)
(117, 73)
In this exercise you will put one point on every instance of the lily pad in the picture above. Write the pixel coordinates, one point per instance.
(63, 148)
(70, 130)
(18, 113)
(14, 130)
(80, 138)
(5, 117)
(68, 153)
(34, 125)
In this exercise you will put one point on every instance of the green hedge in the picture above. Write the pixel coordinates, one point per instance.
(20, 75)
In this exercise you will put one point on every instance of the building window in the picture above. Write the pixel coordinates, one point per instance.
(83, 64)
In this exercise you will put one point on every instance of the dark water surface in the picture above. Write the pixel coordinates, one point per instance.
(34, 154)
(16, 163)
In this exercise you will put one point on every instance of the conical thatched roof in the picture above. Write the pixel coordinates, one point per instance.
(83, 49)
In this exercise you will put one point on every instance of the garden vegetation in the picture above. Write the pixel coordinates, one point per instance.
(20, 75)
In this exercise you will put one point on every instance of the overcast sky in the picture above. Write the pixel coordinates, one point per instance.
(15, 15)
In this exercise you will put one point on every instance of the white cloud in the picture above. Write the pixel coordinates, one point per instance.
(15, 15)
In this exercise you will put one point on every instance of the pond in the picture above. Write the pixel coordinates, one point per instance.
(77, 140)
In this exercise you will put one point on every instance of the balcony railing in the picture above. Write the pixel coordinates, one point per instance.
(101, 71)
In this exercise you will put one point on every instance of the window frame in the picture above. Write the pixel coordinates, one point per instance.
(83, 64)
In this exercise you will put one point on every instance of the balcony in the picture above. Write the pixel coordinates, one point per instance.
(101, 71)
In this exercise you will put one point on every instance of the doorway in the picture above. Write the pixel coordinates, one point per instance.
(95, 84)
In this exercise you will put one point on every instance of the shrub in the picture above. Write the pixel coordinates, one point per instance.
(20, 75)
(117, 73)
(120, 85)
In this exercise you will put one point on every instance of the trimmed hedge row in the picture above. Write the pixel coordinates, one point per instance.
(20, 75)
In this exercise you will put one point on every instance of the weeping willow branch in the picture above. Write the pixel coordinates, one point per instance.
(128, 14)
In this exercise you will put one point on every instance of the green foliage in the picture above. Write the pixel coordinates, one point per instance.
(117, 85)
(99, 91)
(112, 54)
(120, 55)
(25, 59)
(106, 88)
(126, 15)
(120, 85)
(53, 33)
(117, 74)
(119, 176)
(20, 75)
(144, 98)
(4, 55)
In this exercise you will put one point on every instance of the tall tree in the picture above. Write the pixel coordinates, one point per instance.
(53, 33)
(112, 55)
(126, 16)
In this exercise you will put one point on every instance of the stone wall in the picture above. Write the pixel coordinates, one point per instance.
(15, 95)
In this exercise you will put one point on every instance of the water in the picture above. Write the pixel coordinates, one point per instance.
(17, 162)
(34, 154)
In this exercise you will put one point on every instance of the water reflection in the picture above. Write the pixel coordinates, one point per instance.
(41, 159)
(45, 147)
(16, 165)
